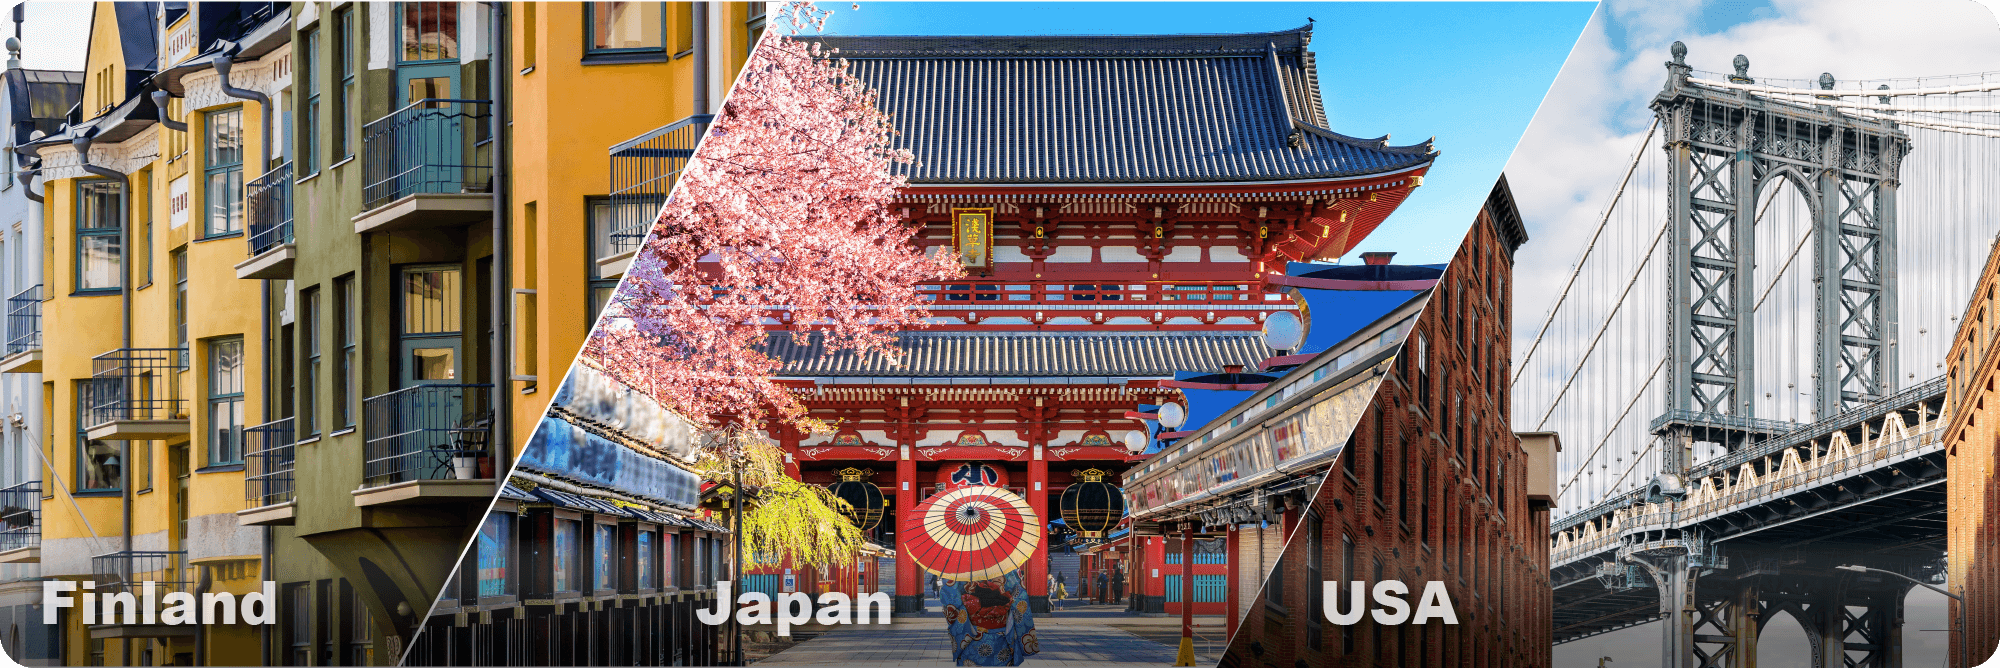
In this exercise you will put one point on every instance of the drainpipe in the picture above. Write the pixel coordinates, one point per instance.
(701, 58)
(265, 110)
(25, 156)
(160, 101)
(503, 332)
(82, 146)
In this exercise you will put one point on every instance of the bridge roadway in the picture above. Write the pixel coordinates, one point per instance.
(1761, 529)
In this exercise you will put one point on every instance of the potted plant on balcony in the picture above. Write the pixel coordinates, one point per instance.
(469, 459)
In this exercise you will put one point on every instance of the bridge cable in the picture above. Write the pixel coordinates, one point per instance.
(1592, 456)
(1636, 272)
(1602, 222)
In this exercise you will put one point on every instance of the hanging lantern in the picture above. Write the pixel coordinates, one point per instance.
(863, 496)
(1091, 506)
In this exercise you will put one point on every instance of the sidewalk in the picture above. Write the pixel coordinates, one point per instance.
(1080, 636)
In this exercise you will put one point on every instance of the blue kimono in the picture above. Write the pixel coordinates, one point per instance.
(989, 621)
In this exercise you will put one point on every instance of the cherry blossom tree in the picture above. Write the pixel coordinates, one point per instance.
(784, 220)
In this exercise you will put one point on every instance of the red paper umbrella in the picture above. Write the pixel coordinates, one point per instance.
(972, 533)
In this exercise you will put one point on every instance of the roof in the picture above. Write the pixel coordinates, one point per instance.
(1128, 109)
(1506, 216)
(1027, 354)
(38, 100)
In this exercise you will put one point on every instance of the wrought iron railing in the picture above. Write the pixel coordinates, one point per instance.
(24, 321)
(128, 571)
(643, 172)
(135, 384)
(268, 459)
(270, 203)
(431, 146)
(21, 516)
(416, 433)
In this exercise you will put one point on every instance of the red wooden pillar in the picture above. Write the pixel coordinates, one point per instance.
(1156, 565)
(909, 579)
(1230, 545)
(1186, 655)
(1038, 501)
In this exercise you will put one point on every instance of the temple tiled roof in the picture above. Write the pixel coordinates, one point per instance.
(1138, 109)
(1028, 354)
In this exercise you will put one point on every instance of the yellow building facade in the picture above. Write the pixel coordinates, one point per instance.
(588, 79)
(151, 361)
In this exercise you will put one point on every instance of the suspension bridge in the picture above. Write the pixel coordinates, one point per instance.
(1748, 398)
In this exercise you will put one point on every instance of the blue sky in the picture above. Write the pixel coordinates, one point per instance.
(1469, 74)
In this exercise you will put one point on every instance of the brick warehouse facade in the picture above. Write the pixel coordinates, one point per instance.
(1393, 511)
(1972, 455)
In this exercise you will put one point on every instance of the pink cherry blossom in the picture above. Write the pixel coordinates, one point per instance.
(785, 220)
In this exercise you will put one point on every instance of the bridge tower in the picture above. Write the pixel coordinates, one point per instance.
(1724, 146)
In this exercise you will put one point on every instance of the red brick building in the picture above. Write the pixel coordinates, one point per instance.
(1972, 456)
(1433, 485)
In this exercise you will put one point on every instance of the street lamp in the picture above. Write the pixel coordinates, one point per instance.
(1963, 658)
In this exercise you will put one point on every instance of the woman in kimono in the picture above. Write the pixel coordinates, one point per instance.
(989, 621)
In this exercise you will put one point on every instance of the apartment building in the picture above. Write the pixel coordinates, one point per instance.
(310, 262)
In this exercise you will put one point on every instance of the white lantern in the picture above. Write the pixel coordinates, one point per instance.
(1284, 331)
(1172, 416)
(1136, 441)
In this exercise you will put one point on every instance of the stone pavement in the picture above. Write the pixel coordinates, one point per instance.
(1077, 637)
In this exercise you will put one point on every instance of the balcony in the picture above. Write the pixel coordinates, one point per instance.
(133, 395)
(426, 165)
(21, 523)
(427, 444)
(125, 572)
(643, 171)
(268, 488)
(24, 332)
(269, 199)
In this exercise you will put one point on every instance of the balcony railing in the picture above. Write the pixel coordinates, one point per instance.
(268, 459)
(21, 516)
(135, 384)
(24, 321)
(432, 146)
(270, 203)
(643, 172)
(415, 433)
(126, 571)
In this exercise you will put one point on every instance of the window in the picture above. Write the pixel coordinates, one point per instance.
(360, 630)
(308, 69)
(755, 26)
(430, 31)
(683, 27)
(100, 254)
(644, 556)
(603, 220)
(1315, 593)
(669, 556)
(298, 616)
(177, 142)
(344, 315)
(180, 268)
(565, 546)
(1381, 460)
(225, 401)
(309, 372)
(98, 464)
(343, 90)
(1347, 580)
(625, 27)
(495, 539)
(142, 244)
(142, 464)
(223, 195)
(605, 565)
